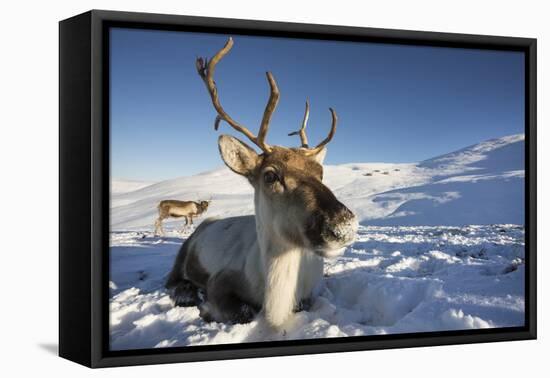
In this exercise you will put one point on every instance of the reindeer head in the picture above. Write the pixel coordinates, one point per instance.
(291, 200)
(203, 205)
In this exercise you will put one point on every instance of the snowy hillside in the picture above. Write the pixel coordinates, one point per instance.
(481, 184)
(125, 186)
(440, 247)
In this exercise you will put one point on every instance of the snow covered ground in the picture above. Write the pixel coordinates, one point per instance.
(418, 264)
(392, 280)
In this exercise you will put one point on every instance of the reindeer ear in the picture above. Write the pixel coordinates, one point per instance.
(319, 157)
(237, 155)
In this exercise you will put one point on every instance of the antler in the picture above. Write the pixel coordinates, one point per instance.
(320, 146)
(206, 70)
(303, 136)
(302, 131)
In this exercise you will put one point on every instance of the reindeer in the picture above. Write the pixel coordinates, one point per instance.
(177, 209)
(271, 262)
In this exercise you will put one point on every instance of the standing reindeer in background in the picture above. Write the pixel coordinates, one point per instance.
(178, 209)
(271, 261)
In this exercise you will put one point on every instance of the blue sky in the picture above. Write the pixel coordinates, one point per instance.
(395, 103)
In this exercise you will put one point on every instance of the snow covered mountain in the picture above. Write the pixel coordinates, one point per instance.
(480, 184)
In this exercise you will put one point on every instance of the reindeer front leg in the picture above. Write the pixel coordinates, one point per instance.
(280, 288)
(158, 227)
(186, 222)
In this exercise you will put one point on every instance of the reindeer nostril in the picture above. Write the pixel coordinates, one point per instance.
(332, 232)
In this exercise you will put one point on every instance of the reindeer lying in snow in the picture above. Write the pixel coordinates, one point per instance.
(271, 261)
(178, 209)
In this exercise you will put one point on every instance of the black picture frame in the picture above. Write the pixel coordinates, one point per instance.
(84, 188)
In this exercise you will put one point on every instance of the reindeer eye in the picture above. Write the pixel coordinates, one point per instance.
(270, 177)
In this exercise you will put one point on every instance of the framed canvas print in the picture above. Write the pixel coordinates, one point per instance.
(233, 188)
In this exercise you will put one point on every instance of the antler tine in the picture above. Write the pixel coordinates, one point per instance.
(205, 69)
(320, 146)
(302, 131)
(268, 112)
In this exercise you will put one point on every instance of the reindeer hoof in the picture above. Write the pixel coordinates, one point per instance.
(245, 315)
(185, 295)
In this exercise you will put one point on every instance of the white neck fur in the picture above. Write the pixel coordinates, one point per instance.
(281, 266)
